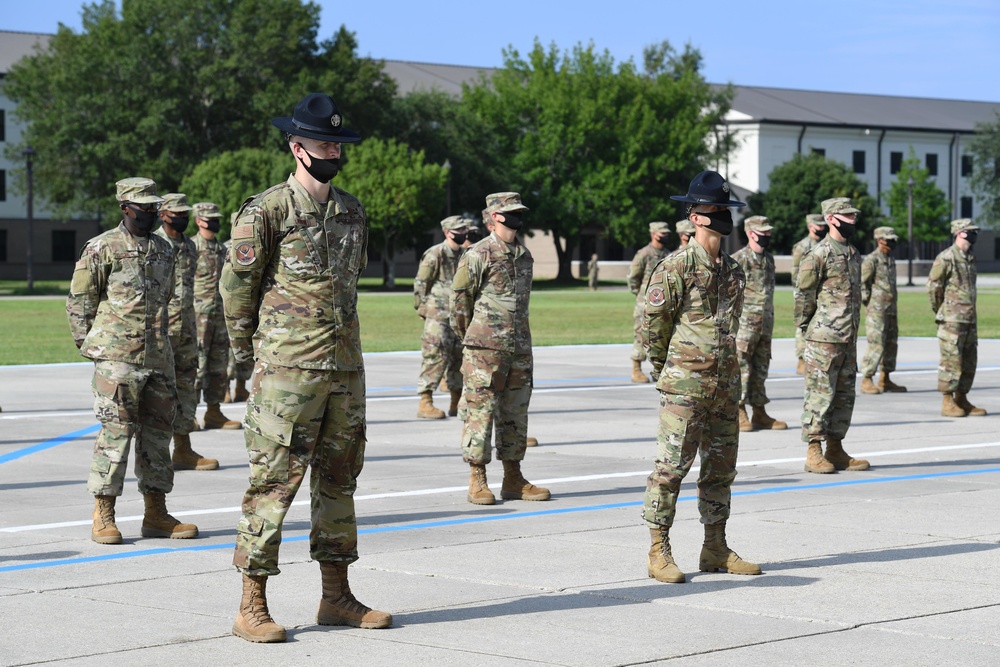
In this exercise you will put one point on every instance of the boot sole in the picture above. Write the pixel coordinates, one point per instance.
(482, 501)
(521, 496)
(156, 532)
(665, 580)
(110, 539)
(824, 471)
(726, 570)
(186, 466)
(271, 638)
(430, 416)
(364, 625)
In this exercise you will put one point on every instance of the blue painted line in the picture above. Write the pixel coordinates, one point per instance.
(49, 444)
(494, 517)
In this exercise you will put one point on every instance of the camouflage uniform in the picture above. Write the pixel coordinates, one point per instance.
(213, 341)
(638, 275)
(692, 315)
(290, 290)
(757, 321)
(118, 316)
(800, 250)
(593, 268)
(878, 293)
(440, 347)
(951, 286)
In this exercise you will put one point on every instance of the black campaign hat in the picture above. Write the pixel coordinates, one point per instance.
(317, 117)
(708, 187)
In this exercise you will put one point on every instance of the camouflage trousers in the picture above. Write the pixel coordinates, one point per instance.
(831, 371)
(442, 357)
(296, 419)
(754, 350)
(240, 371)
(592, 279)
(690, 427)
(132, 403)
(213, 351)
(497, 392)
(638, 314)
(186, 374)
(800, 343)
(882, 327)
(958, 342)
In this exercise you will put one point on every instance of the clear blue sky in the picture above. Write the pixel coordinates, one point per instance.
(921, 48)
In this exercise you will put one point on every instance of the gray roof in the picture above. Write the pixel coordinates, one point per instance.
(783, 106)
(16, 45)
(412, 76)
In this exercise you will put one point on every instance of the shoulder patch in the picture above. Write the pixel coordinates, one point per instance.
(245, 253)
(655, 296)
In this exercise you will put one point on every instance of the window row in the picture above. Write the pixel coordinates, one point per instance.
(896, 162)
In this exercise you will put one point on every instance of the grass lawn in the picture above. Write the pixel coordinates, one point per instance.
(35, 331)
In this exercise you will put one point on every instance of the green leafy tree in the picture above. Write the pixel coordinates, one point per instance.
(985, 180)
(930, 207)
(402, 193)
(799, 186)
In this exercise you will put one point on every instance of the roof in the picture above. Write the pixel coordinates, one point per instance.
(753, 104)
(412, 76)
(16, 45)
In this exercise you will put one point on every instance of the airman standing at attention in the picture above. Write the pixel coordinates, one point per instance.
(878, 293)
(641, 268)
(441, 348)
(117, 309)
(951, 286)
(816, 226)
(756, 324)
(182, 330)
(593, 268)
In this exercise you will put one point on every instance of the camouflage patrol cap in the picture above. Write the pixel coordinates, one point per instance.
(758, 223)
(207, 209)
(175, 202)
(963, 225)
(887, 233)
(684, 226)
(453, 222)
(501, 202)
(659, 227)
(815, 219)
(838, 205)
(137, 190)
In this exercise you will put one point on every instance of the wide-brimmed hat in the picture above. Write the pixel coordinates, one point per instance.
(317, 117)
(708, 187)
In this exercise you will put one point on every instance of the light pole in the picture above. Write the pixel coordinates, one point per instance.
(447, 187)
(909, 231)
(29, 153)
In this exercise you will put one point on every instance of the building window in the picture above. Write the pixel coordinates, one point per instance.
(3, 125)
(966, 165)
(64, 245)
(3, 185)
(819, 151)
(895, 162)
(859, 162)
(966, 207)
(931, 162)
(3, 245)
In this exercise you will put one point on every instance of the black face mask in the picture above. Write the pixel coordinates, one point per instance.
(474, 236)
(971, 237)
(661, 239)
(821, 232)
(142, 220)
(459, 238)
(722, 221)
(763, 241)
(511, 220)
(846, 229)
(178, 223)
(320, 169)
(891, 243)
(213, 225)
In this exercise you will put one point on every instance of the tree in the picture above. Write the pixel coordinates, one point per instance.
(930, 207)
(985, 179)
(799, 186)
(401, 193)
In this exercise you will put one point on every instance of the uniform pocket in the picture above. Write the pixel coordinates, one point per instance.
(250, 525)
(268, 442)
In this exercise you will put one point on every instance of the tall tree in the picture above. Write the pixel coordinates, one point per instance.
(799, 186)
(930, 206)
(985, 179)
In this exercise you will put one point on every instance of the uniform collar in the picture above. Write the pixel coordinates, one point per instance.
(310, 205)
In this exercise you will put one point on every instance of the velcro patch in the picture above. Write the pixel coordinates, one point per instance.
(655, 296)
(245, 253)
(243, 232)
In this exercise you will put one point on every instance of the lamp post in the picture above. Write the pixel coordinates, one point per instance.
(29, 153)
(447, 187)
(909, 231)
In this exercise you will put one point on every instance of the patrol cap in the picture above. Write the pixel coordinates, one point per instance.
(963, 225)
(815, 219)
(317, 117)
(175, 202)
(207, 209)
(502, 202)
(137, 191)
(887, 233)
(758, 223)
(453, 222)
(684, 226)
(838, 205)
(708, 187)
(659, 227)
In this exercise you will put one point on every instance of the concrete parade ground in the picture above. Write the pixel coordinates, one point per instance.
(898, 565)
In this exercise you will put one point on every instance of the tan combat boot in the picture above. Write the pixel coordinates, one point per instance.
(104, 530)
(530, 442)
(516, 487)
(868, 387)
(840, 459)
(745, 425)
(254, 622)
(971, 410)
(661, 561)
(426, 409)
(156, 522)
(338, 606)
(888, 386)
(240, 393)
(801, 368)
(185, 458)
(456, 396)
(638, 377)
(716, 554)
(765, 422)
(949, 408)
(815, 461)
(215, 419)
(479, 492)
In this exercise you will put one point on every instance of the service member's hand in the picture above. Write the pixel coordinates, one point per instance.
(242, 349)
